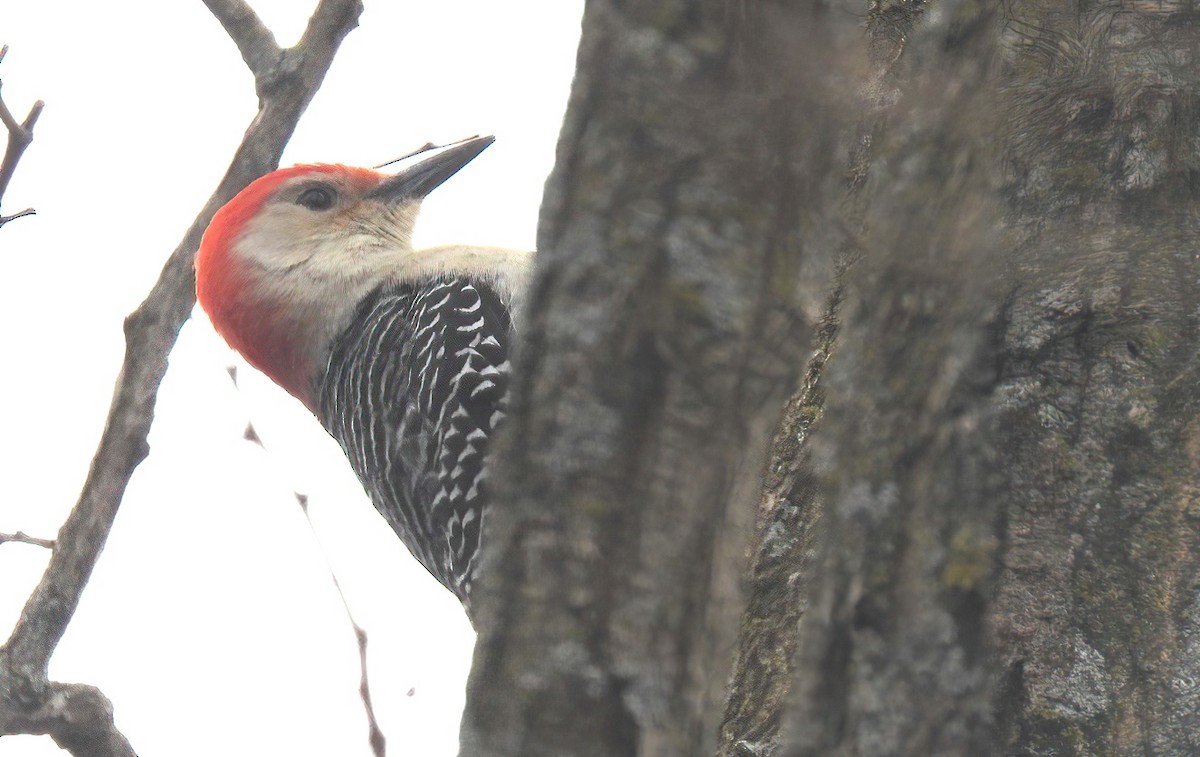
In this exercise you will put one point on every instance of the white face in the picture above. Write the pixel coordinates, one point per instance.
(319, 240)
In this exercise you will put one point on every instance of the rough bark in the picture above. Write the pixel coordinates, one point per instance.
(665, 326)
(893, 656)
(1010, 453)
(1097, 616)
(779, 587)
(792, 504)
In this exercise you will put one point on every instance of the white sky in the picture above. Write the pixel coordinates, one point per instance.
(211, 620)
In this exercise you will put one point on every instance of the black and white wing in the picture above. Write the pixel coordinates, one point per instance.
(414, 390)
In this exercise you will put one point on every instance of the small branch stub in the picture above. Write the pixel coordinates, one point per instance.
(24, 538)
(15, 216)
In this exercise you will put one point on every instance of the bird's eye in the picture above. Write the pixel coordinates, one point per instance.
(316, 198)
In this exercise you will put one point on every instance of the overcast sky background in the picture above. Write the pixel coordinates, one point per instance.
(211, 620)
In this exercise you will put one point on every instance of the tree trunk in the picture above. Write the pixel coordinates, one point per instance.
(665, 328)
(1010, 563)
(1097, 613)
(988, 542)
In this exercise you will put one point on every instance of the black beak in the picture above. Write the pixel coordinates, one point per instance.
(415, 182)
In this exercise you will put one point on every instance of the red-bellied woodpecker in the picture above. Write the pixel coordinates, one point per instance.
(402, 354)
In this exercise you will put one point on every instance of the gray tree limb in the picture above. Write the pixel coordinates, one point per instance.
(20, 135)
(286, 81)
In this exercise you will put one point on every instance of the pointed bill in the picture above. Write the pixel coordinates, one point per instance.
(415, 182)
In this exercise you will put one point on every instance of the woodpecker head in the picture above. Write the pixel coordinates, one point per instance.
(284, 264)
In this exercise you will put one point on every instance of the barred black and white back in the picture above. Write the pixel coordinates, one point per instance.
(414, 390)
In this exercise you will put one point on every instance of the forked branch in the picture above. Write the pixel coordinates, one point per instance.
(286, 80)
(20, 134)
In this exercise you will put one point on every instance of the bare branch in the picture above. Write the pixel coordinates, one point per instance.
(19, 137)
(253, 39)
(425, 148)
(15, 216)
(79, 718)
(374, 733)
(24, 538)
(150, 334)
(330, 18)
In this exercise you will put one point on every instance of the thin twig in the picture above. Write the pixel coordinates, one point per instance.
(19, 137)
(150, 334)
(253, 39)
(375, 735)
(23, 538)
(15, 216)
(374, 732)
(424, 148)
